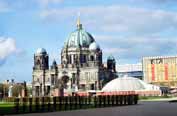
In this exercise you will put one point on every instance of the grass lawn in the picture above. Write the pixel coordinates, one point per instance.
(6, 108)
(63, 105)
(153, 97)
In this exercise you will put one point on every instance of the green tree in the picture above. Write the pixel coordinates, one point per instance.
(29, 91)
(16, 90)
(1, 87)
(62, 84)
(3, 90)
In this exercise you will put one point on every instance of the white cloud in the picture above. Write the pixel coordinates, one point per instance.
(157, 1)
(117, 18)
(137, 47)
(7, 47)
(4, 7)
(124, 31)
(114, 50)
(45, 3)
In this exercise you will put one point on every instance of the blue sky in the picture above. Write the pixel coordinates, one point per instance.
(128, 29)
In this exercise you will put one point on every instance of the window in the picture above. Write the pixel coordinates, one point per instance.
(86, 76)
(69, 59)
(92, 58)
(83, 58)
(52, 79)
(38, 62)
(48, 90)
(75, 58)
(37, 79)
(92, 86)
(82, 86)
(73, 77)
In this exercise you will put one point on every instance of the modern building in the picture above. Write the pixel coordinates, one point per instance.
(132, 70)
(160, 70)
(81, 67)
(127, 83)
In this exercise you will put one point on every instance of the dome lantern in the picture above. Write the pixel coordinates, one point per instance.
(79, 25)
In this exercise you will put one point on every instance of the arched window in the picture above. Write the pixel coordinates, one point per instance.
(37, 79)
(38, 62)
(52, 79)
(92, 58)
(70, 58)
(83, 58)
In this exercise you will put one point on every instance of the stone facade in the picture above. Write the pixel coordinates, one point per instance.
(81, 66)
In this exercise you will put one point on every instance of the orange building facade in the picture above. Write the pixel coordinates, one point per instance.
(160, 70)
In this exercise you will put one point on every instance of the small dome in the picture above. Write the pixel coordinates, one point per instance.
(128, 84)
(54, 63)
(41, 51)
(94, 46)
(111, 57)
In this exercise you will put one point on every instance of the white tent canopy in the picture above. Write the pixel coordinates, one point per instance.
(128, 84)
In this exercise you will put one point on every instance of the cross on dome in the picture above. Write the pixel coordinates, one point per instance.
(79, 25)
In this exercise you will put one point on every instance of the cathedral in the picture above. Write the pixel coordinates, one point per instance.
(81, 67)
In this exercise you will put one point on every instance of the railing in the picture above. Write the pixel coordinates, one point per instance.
(49, 104)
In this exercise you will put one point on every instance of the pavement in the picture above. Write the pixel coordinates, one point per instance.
(144, 108)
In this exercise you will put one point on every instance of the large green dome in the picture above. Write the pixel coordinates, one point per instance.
(79, 38)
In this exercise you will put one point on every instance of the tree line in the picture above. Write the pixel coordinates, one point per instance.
(16, 90)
